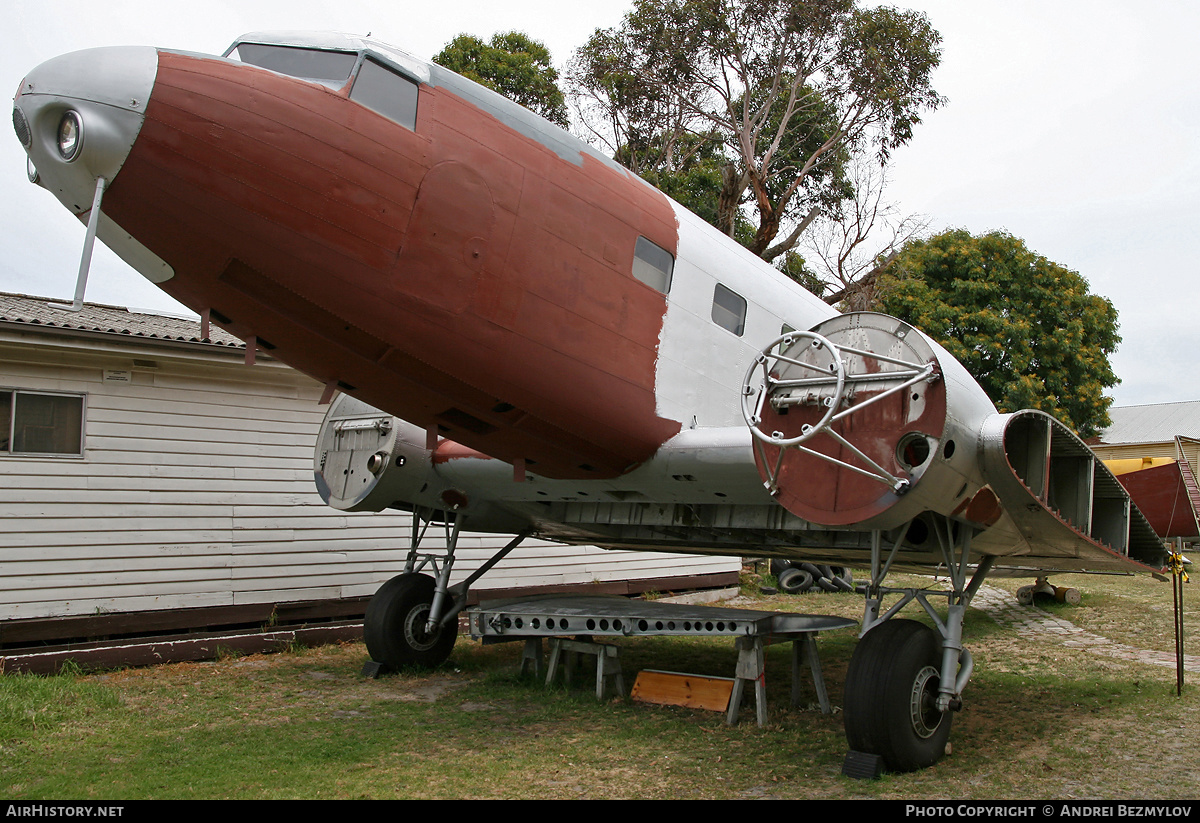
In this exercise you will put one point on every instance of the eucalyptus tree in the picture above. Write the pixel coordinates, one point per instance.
(781, 94)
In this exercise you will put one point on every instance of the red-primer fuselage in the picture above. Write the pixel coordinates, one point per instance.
(383, 259)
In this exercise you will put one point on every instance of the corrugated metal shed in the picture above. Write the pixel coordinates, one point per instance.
(1166, 494)
(1152, 423)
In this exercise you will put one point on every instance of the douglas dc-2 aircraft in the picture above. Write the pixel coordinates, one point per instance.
(560, 350)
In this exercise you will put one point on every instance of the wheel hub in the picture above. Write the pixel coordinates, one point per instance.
(923, 709)
(414, 629)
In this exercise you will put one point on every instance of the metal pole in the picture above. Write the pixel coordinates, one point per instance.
(1177, 578)
(89, 240)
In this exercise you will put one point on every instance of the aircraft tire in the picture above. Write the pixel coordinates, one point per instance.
(394, 626)
(795, 581)
(891, 687)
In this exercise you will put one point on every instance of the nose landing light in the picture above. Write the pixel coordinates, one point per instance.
(70, 136)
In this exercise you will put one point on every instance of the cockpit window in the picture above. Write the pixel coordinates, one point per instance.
(390, 93)
(319, 65)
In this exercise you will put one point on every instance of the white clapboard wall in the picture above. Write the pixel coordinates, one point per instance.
(196, 489)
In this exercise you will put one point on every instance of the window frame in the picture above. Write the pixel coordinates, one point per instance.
(740, 328)
(356, 76)
(278, 49)
(639, 255)
(9, 437)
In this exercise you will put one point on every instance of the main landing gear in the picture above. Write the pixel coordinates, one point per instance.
(396, 627)
(892, 692)
(412, 621)
(905, 679)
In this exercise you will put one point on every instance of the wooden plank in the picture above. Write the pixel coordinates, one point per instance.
(208, 448)
(50, 545)
(692, 691)
(114, 409)
(146, 653)
(185, 431)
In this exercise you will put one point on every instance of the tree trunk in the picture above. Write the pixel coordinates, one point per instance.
(731, 195)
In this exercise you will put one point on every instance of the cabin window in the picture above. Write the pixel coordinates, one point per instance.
(387, 92)
(40, 423)
(653, 265)
(318, 65)
(729, 310)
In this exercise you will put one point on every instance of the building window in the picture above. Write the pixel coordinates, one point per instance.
(652, 264)
(40, 423)
(391, 94)
(729, 310)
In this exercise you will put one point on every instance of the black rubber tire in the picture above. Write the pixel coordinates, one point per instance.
(891, 687)
(843, 578)
(826, 584)
(394, 626)
(778, 566)
(795, 581)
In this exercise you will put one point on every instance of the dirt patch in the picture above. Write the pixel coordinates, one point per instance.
(425, 690)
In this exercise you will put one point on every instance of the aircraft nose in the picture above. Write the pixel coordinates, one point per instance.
(78, 116)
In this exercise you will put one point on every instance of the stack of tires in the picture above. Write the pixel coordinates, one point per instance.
(796, 578)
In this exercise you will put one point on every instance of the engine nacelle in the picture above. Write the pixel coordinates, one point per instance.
(864, 421)
(368, 460)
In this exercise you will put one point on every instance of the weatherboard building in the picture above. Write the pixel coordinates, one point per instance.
(155, 484)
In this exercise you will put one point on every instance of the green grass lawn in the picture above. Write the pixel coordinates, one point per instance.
(1040, 721)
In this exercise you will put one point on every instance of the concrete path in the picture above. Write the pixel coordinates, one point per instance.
(1002, 607)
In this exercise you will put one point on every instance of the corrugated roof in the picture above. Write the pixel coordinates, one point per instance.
(1153, 422)
(98, 317)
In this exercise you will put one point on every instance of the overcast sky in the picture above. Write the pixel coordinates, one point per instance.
(1071, 124)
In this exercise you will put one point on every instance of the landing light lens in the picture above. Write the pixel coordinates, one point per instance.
(70, 136)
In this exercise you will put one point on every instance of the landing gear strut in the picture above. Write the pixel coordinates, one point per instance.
(412, 621)
(905, 678)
